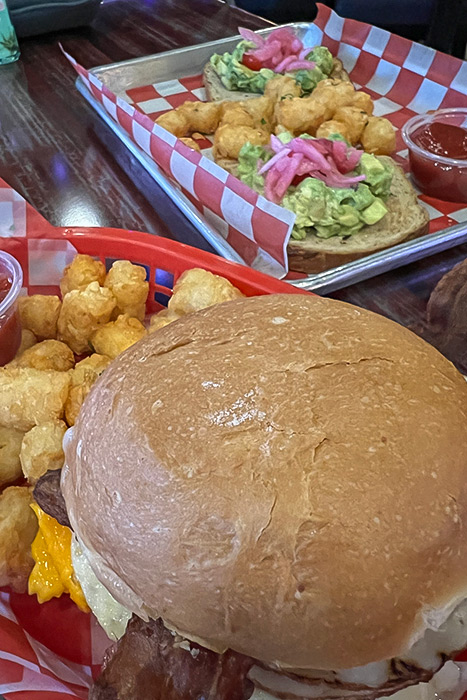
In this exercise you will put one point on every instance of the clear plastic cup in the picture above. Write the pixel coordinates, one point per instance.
(11, 280)
(437, 175)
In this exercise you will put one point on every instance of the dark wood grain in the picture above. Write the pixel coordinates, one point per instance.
(55, 151)
(58, 154)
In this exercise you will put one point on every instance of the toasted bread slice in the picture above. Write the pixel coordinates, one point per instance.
(405, 219)
(217, 92)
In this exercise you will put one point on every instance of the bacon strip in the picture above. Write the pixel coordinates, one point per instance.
(149, 664)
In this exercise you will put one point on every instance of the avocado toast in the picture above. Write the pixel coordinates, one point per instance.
(405, 219)
(348, 204)
(244, 72)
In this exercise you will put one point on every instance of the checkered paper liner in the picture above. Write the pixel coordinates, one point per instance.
(39, 658)
(47, 652)
(258, 229)
(17, 217)
(403, 78)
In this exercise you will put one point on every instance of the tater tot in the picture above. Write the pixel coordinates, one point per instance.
(80, 272)
(116, 336)
(236, 115)
(336, 93)
(379, 137)
(42, 449)
(28, 339)
(197, 289)
(18, 527)
(355, 120)
(363, 102)
(128, 284)
(331, 127)
(338, 71)
(95, 364)
(82, 313)
(174, 122)
(31, 396)
(82, 378)
(49, 354)
(10, 446)
(261, 110)
(161, 319)
(190, 143)
(229, 140)
(281, 86)
(39, 314)
(201, 116)
(302, 115)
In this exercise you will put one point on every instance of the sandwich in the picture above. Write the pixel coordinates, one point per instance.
(274, 490)
(244, 72)
(324, 156)
(348, 203)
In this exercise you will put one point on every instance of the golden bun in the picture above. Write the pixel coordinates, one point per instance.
(284, 475)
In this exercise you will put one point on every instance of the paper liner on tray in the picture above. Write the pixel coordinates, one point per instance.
(402, 77)
(260, 228)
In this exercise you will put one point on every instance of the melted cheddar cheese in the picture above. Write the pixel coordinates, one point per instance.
(53, 572)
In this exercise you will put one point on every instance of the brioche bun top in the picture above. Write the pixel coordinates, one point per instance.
(285, 476)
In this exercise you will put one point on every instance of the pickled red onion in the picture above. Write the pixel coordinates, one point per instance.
(296, 45)
(283, 65)
(301, 65)
(280, 51)
(326, 160)
(276, 144)
(304, 53)
(267, 166)
(346, 159)
(287, 175)
(249, 35)
(312, 153)
(267, 51)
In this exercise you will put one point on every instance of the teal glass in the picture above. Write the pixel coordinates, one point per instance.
(9, 49)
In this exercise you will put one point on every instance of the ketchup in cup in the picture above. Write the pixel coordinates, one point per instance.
(11, 279)
(437, 146)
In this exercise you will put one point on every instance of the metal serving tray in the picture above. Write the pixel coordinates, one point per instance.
(180, 63)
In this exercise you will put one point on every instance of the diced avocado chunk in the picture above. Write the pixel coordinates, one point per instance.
(375, 212)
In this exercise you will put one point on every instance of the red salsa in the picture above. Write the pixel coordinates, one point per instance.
(10, 328)
(5, 284)
(432, 176)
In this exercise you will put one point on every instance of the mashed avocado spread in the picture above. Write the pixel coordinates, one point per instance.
(236, 76)
(330, 211)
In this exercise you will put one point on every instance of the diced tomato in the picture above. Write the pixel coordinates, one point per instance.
(299, 178)
(251, 62)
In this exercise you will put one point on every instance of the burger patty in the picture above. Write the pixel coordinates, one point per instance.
(152, 663)
(48, 495)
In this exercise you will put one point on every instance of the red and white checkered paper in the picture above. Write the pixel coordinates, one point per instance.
(47, 652)
(254, 226)
(403, 78)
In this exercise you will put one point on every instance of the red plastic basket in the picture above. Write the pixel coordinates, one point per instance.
(51, 651)
(44, 253)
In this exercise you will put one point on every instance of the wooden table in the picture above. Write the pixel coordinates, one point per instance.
(58, 154)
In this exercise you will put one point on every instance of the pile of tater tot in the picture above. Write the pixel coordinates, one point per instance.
(334, 106)
(66, 344)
